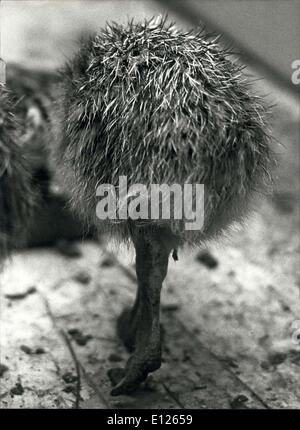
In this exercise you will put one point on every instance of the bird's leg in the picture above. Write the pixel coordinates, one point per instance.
(128, 323)
(142, 323)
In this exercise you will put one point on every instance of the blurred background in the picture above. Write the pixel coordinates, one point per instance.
(265, 31)
(231, 311)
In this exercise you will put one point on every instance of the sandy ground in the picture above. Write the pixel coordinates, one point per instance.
(232, 330)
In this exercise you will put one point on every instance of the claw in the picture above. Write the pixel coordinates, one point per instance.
(129, 383)
(127, 380)
(124, 387)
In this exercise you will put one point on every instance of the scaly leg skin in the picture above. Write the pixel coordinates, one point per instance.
(127, 324)
(140, 328)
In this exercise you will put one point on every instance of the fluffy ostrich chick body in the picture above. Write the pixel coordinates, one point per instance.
(158, 106)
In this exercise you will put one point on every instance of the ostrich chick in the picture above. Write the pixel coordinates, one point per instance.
(158, 106)
(17, 194)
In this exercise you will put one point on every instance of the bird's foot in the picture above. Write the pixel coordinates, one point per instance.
(137, 369)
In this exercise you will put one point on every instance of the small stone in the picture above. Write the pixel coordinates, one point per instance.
(40, 351)
(239, 401)
(3, 369)
(69, 249)
(83, 278)
(285, 307)
(107, 262)
(17, 390)
(276, 358)
(78, 337)
(74, 332)
(70, 389)
(30, 351)
(207, 259)
(115, 358)
(69, 378)
(26, 349)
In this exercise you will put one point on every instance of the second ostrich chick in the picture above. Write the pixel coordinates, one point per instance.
(159, 106)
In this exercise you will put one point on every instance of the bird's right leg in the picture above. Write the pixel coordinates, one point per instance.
(128, 321)
(140, 327)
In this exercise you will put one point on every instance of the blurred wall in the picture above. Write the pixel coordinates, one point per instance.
(44, 32)
(270, 29)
